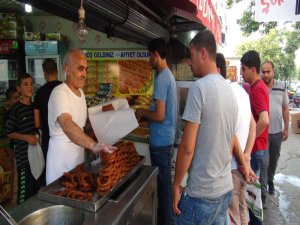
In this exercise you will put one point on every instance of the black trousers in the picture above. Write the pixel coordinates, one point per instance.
(27, 184)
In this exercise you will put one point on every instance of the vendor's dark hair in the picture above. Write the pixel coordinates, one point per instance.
(251, 59)
(158, 45)
(49, 66)
(9, 92)
(22, 77)
(221, 64)
(205, 39)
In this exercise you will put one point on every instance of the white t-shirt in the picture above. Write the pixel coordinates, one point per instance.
(243, 118)
(63, 155)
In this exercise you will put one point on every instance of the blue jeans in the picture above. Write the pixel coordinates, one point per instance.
(202, 211)
(161, 157)
(260, 167)
(259, 163)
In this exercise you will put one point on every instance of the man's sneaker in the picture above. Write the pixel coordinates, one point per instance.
(264, 204)
(271, 188)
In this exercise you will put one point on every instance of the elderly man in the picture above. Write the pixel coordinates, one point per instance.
(67, 116)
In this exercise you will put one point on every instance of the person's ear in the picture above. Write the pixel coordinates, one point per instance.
(67, 68)
(156, 55)
(203, 53)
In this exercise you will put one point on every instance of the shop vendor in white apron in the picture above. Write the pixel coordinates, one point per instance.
(67, 115)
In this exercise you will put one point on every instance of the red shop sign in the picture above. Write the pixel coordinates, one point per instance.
(8, 46)
(207, 14)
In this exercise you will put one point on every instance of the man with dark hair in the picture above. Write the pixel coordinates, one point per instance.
(221, 64)
(279, 112)
(211, 110)
(41, 105)
(162, 116)
(245, 132)
(259, 100)
(11, 97)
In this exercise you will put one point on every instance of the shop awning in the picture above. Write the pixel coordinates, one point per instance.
(138, 21)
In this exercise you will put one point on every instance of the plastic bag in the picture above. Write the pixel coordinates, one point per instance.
(253, 199)
(36, 160)
(111, 126)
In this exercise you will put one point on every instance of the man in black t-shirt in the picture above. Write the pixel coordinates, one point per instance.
(41, 105)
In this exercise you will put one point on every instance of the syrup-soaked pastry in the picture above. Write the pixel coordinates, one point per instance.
(107, 107)
(79, 184)
(116, 165)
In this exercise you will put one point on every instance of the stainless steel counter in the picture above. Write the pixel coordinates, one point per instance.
(136, 204)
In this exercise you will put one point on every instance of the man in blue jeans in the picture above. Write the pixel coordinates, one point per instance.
(162, 117)
(210, 124)
(259, 101)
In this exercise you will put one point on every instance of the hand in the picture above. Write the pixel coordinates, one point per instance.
(32, 139)
(252, 177)
(245, 171)
(285, 134)
(100, 147)
(139, 114)
(177, 190)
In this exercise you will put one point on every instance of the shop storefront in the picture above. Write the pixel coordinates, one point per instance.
(116, 49)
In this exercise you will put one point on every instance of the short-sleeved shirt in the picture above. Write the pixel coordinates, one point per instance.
(212, 104)
(259, 100)
(21, 120)
(278, 100)
(244, 117)
(41, 103)
(63, 155)
(163, 133)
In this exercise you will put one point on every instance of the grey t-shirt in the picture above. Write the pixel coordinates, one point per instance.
(212, 104)
(278, 100)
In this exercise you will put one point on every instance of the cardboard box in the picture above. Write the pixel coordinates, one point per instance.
(295, 122)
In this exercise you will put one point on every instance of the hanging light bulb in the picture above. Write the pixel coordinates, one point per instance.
(81, 27)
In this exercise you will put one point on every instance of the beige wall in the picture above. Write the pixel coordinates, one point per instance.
(94, 39)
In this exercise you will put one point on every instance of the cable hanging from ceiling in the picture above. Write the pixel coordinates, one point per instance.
(81, 26)
(110, 30)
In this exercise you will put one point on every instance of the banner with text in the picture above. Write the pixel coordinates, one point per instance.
(276, 10)
(128, 71)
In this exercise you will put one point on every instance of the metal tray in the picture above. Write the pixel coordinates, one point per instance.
(47, 193)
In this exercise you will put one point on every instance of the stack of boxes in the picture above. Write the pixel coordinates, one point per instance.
(295, 121)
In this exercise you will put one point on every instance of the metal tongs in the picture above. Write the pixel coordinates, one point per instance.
(7, 217)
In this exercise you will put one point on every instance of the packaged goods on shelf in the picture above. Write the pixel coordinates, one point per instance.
(11, 26)
(32, 36)
(52, 37)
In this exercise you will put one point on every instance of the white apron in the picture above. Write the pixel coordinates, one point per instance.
(63, 155)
